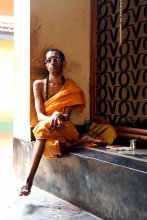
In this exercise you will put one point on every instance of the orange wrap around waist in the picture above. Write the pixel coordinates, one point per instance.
(69, 95)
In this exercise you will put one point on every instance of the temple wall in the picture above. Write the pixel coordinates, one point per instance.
(49, 24)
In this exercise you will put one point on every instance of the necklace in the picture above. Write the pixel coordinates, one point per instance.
(47, 84)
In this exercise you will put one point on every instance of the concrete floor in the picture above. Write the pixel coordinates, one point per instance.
(39, 205)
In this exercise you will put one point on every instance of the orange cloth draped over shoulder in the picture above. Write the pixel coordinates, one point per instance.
(69, 95)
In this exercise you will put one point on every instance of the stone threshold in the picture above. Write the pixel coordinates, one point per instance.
(102, 183)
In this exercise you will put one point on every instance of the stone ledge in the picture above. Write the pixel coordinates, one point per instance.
(106, 185)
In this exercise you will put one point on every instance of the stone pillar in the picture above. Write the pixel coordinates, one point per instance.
(22, 70)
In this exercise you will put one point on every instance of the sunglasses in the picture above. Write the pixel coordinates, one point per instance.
(54, 59)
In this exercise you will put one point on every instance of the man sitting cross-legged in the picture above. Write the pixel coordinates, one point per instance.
(55, 98)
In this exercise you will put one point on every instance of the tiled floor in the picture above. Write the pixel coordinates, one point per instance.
(39, 205)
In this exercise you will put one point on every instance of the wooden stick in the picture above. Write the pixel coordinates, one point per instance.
(131, 135)
(137, 131)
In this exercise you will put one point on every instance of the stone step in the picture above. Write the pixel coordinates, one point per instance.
(107, 185)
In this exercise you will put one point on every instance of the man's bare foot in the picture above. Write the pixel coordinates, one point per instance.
(25, 190)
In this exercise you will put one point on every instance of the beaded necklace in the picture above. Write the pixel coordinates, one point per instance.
(47, 83)
(46, 92)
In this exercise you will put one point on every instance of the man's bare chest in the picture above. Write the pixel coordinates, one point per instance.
(53, 90)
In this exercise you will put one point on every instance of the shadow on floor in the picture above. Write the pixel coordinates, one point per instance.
(39, 205)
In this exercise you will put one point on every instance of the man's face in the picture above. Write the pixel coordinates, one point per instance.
(53, 63)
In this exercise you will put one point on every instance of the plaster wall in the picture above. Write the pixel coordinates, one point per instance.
(62, 24)
(40, 25)
(21, 125)
(6, 75)
(6, 83)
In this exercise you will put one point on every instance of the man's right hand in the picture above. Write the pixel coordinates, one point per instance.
(57, 122)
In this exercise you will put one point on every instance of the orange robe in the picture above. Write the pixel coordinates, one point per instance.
(69, 95)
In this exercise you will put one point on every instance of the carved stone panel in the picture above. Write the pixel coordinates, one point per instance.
(121, 74)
